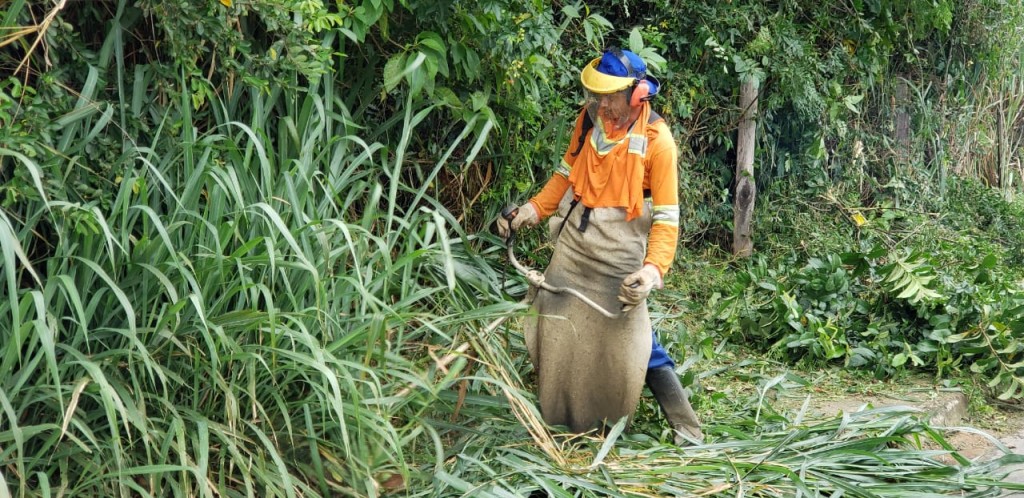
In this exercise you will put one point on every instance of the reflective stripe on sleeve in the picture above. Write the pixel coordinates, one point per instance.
(563, 169)
(666, 215)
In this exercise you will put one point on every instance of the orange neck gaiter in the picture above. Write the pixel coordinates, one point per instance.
(610, 172)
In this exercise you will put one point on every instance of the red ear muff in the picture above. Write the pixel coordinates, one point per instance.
(641, 93)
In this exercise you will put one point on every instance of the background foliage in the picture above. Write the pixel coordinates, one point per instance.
(241, 238)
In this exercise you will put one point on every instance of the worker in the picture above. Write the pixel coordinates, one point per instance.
(613, 204)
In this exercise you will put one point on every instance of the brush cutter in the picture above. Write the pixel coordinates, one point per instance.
(536, 278)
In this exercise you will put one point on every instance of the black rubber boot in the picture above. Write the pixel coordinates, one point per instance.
(665, 386)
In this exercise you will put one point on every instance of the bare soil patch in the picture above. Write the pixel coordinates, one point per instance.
(971, 424)
(968, 427)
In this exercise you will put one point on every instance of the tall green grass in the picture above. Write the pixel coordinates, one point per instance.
(248, 313)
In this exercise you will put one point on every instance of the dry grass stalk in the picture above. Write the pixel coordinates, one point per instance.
(40, 30)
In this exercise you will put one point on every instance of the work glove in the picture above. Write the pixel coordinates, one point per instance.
(535, 278)
(527, 217)
(636, 287)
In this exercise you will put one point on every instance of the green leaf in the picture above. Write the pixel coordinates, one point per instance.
(851, 102)
(446, 96)
(912, 289)
(478, 100)
(393, 71)
(1010, 391)
(636, 41)
(437, 55)
(609, 441)
(415, 73)
(431, 41)
(430, 63)
(909, 278)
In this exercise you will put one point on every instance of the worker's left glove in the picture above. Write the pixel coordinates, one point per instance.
(636, 287)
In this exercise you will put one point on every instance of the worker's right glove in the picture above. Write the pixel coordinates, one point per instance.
(636, 287)
(535, 278)
(527, 217)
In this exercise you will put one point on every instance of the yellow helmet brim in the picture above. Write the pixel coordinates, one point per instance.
(598, 82)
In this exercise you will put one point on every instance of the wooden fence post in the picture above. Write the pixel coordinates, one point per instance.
(902, 118)
(746, 188)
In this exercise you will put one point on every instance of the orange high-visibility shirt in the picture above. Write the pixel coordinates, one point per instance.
(660, 178)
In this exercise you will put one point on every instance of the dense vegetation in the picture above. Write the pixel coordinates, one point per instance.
(244, 243)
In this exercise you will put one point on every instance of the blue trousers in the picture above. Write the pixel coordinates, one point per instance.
(659, 357)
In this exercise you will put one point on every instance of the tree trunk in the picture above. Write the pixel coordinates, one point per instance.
(746, 189)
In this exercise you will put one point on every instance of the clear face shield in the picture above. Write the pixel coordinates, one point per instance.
(612, 110)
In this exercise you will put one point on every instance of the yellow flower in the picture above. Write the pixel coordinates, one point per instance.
(226, 3)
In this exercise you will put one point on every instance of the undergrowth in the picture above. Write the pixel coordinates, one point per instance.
(911, 280)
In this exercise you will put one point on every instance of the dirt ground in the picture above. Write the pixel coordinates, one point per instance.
(970, 424)
(977, 428)
(969, 427)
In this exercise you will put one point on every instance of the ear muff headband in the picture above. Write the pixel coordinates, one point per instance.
(640, 92)
(630, 71)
